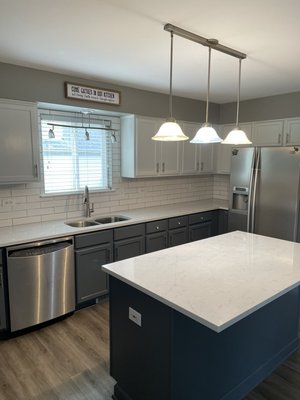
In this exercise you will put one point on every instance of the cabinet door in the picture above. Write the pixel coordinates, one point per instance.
(189, 151)
(292, 132)
(206, 158)
(178, 236)
(19, 150)
(222, 221)
(268, 133)
(156, 241)
(129, 248)
(168, 160)
(200, 231)
(146, 148)
(91, 281)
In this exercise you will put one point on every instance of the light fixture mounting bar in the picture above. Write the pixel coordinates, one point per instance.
(205, 42)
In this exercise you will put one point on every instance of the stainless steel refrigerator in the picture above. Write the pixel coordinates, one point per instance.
(264, 191)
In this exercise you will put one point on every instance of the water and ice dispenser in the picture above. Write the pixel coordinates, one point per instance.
(240, 198)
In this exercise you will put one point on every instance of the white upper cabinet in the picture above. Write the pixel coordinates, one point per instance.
(140, 155)
(189, 151)
(292, 132)
(195, 158)
(19, 150)
(268, 133)
(222, 152)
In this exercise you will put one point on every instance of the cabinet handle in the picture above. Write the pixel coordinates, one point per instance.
(287, 138)
(178, 223)
(279, 138)
(198, 165)
(202, 165)
(35, 170)
(108, 255)
(117, 253)
(163, 167)
(157, 227)
(157, 167)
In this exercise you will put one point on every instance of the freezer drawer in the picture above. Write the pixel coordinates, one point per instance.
(41, 282)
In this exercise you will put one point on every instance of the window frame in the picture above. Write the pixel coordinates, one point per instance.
(68, 117)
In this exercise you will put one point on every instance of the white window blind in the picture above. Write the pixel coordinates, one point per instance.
(74, 154)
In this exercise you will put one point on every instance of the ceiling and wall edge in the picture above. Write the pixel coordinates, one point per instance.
(29, 84)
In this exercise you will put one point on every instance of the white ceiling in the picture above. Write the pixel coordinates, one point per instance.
(123, 42)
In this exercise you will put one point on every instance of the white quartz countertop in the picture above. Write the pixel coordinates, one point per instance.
(216, 281)
(19, 234)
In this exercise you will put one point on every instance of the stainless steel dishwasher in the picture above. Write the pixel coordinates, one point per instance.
(41, 282)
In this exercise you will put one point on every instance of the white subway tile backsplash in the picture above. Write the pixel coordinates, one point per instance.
(27, 220)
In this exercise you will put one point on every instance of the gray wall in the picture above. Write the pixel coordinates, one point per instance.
(273, 107)
(20, 83)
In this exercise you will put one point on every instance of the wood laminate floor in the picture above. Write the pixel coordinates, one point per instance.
(69, 360)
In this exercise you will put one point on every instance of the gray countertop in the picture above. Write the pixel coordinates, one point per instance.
(48, 230)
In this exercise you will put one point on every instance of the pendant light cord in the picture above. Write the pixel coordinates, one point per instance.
(238, 93)
(171, 76)
(208, 85)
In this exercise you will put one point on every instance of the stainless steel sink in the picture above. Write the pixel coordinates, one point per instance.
(111, 219)
(81, 223)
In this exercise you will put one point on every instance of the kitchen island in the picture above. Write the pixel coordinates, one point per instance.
(205, 320)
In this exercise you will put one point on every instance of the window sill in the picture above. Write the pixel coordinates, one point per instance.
(76, 193)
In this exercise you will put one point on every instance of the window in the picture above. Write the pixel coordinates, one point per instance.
(75, 152)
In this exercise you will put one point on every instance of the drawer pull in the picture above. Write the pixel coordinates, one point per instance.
(157, 227)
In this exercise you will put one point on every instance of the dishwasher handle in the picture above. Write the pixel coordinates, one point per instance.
(39, 248)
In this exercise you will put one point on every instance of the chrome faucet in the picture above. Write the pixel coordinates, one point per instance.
(86, 203)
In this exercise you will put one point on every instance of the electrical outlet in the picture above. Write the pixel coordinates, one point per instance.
(135, 316)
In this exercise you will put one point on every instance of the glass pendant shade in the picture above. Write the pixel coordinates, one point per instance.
(206, 134)
(170, 131)
(236, 136)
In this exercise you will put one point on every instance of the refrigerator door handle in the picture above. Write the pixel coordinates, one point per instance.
(253, 202)
(249, 211)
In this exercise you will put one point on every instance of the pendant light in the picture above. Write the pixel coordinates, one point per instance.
(170, 130)
(207, 134)
(237, 135)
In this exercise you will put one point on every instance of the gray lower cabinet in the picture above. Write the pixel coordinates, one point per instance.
(203, 225)
(92, 251)
(178, 231)
(222, 221)
(3, 322)
(156, 235)
(129, 241)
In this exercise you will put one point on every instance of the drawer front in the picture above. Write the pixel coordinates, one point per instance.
(200, 217)
(178, 222)
(93, 239)
(129, 231)
(157, 226)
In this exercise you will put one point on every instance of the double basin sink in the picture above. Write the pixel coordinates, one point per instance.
(82, 223)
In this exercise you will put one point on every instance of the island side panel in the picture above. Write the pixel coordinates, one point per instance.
(140, 357)
(227, 365)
